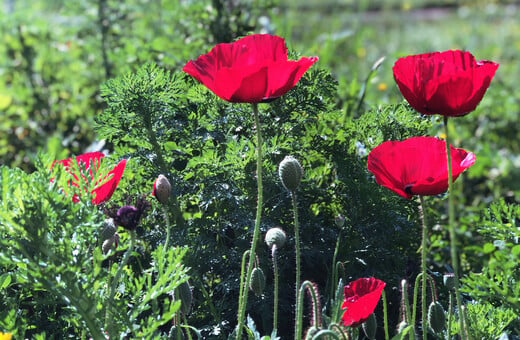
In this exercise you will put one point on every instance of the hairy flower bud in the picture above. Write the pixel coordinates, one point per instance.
(436, 317)
(184, 294)
(370, 327)
(109, 229)
(162, 189)
(109, 242)
(290, 172)
(257, 284)
(275, 237)
(449, 281)
(339, 221)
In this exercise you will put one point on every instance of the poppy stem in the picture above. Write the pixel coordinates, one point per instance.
(385, 315)
(423, 267)
(242, 302)
(115, 281)
(299, 302)
(275, 273)
(453, 233)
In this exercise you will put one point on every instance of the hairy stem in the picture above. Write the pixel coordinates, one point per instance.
(275, 273)
(242, 303)
(453, 232)
(423, 267)
(299, 301)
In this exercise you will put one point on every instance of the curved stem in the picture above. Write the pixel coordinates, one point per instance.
(299, 309)
(275, 304)
(423, 267)
(298, 257)
(242, 304)
(325, 334)
(452, 232)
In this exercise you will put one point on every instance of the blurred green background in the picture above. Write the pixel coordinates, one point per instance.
(55, 55)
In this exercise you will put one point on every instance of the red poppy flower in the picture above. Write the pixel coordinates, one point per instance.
(361, 298)
(450, 83)
(106, 186)
(417, 166)
(250, 70)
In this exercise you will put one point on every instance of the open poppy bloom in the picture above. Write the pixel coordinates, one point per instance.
(417, 166)
(361, 298)
(450, 83)
(250, 70)
(104, 187)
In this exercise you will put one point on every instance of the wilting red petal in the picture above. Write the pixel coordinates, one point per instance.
(103, 192)
(416, 166)
(250, 70)
(361, 298)
(449, 83)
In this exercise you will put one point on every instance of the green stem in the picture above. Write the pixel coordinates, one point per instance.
(423, 267)
(452, 231)
(168, 226)
(242, 303)
(275, 307)
(450, 313)
(115, 281)
(385, 315)
(409, 317)
(325, 334)
(299, 309)
(298, 256)
(334, 271)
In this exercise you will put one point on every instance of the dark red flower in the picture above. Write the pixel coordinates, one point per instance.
(250, 70)
(417, 166)
(106, 186)
(450, 83)
(361, 298)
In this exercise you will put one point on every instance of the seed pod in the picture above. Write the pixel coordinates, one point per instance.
(162, 189)
(257, 284)
(275, 236)
(184, 294)
(370, 327)
(290, 172)
(436, 317)
(108, 230)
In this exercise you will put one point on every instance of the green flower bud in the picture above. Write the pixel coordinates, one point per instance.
(370, 327)
(184, 294)
(275, 237)
(449, 281)
(257, 283)
(290, 172)
(109, 229)
(162, 189)
(436, 317)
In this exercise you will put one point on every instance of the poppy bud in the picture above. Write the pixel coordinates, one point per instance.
(184, 294)
(290, 172)
(339, 221)
(370, 327)
(436, 317)
(275, 237)
(109, 242)
(449, 281)
(162, 189)
(257, 284)
(109, 229)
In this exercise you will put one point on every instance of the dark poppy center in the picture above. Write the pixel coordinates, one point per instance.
(408, 189)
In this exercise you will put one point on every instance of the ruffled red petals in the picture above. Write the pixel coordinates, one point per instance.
(417, 166)
(89, 163)
(250, 70)
(450, 83)
(361, 298)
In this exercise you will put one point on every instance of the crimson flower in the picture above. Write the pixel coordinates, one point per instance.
(104, 187)
(449, 83)
(361, 298)
(417, 166)
(250, 70)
